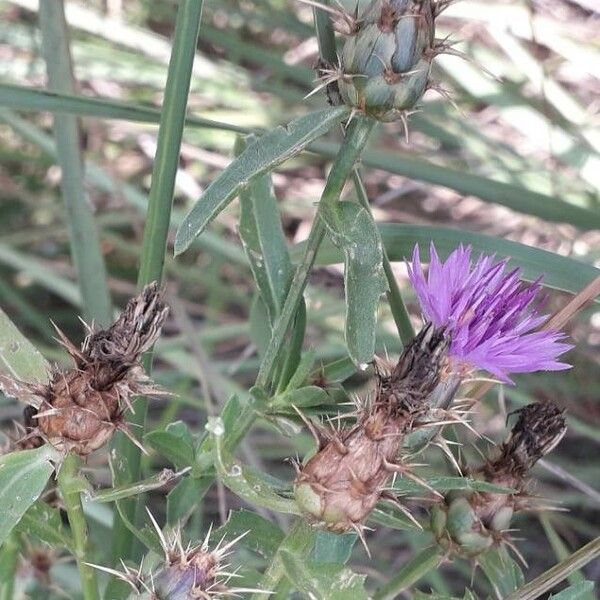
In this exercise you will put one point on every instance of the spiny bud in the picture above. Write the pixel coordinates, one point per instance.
(471, 523)
(79, 409)
(341, 484)
(385, 64)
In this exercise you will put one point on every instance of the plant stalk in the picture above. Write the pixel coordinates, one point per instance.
(68, 484)
(156, 229)
(357, 135)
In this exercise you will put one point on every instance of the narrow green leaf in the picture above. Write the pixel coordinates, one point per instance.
(25, 98)
(23, 477)
(262, 156)
(84, 238)
(263, 238)
(310, 395)
(427, 560)
(323, 581)
(260, 535)
(45, 522)
(449, 483)
(579, 591)
(183, 499)
(353, 230)
(560, 272)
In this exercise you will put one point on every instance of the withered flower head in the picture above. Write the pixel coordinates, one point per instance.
(341, 484)
(469, 523)
(79, 409)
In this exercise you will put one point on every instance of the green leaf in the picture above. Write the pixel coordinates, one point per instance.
(417, 567)
(265, 154)
(326, 582)
(19, 359)
(174, 443)
(45, 522)
(353, 230)
(263, 238)
(449, 483)
(261, 536)
(579, 591)
(23, 477)
(333, 547)
(559, 272)
(392, 518)
(131, 489)
(310, 395)
(183, 499)
(503, 573)
(302, 372)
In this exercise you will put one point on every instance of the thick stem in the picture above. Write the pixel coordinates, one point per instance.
(355, 140)
(68, 484)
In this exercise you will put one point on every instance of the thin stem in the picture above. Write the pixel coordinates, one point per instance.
(546, 581)
(397, 306)
(156, 230)
(410, 573)
(355, 140)
(9, 558)
(68, 484)
(84, 238)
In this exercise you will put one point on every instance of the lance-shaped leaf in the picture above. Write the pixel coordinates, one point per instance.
(266, 153)
(353, 230)
(23, 477)
(44, 522)
(263, 238)
(579, 591)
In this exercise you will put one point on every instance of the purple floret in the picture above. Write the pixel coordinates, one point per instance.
(491, 315)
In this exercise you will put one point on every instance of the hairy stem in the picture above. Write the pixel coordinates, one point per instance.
(68, 484)
(355, 140)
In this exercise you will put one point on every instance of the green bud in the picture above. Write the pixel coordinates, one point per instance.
(387, 62)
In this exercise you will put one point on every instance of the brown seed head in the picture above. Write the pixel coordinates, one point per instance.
(341, 484)
(79, 409)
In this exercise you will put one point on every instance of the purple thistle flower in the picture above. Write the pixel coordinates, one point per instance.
(491, 315)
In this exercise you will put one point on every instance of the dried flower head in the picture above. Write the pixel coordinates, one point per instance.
(490, 315)
(79, 409)
(469, 523)
(341, 484)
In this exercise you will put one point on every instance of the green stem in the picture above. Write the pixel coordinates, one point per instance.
(156, 229)
(84, 238)
(546, 581)
(69, 486)
(397, 306)
(410, 573)
(355, 140)
(9, 558)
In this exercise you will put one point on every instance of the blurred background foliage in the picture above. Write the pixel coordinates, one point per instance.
(515, 156)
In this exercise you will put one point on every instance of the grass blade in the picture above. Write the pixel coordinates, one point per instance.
(84, 239)
(127, 468)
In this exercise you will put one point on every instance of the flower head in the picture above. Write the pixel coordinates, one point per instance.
(491, 316)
